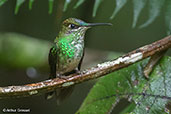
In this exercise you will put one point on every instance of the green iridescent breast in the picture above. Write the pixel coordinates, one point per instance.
(66, 49)
(70, 53)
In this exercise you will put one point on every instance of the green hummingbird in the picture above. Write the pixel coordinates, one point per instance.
(66, 55)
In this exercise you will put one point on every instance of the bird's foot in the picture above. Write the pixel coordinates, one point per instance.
(77, 71)
(61, 76)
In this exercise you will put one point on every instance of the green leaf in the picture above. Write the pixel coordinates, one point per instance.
(105, 93)
(18, 4)
(154, 11)
(67, 2)
(119, 5)
(159, 84)
(30, 4)
(2, 2)
(96, 5)
(138, 5)
(20, 51)
(50, 6)
(79, 3)
(168, 16)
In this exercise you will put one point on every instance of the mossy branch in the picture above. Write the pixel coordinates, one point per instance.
(88, 74)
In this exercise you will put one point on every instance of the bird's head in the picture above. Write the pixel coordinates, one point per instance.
(76, 27)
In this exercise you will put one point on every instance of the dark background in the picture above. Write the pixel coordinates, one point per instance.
(121, 37)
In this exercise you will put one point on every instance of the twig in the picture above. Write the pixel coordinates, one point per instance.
(89, 74)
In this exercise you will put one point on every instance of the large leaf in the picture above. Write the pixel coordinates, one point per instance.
(154, 11)
(103, 96)
(160, 84)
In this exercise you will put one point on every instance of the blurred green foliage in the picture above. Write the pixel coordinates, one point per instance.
(155, 7)
(20, 51)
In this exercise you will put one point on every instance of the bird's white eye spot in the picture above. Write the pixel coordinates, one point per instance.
(73, 26)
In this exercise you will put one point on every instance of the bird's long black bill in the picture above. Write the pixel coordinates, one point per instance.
(98, 24)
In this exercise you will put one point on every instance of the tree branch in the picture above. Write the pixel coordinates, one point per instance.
(88, 74)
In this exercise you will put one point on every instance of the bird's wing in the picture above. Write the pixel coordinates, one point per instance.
(79, 65)
(53, 61)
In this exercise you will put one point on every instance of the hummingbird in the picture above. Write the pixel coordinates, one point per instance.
(66, 55)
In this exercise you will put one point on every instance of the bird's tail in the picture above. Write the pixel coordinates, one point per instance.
(60, 94)
(49, 95)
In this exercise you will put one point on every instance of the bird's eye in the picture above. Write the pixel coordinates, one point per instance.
(72, 26)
